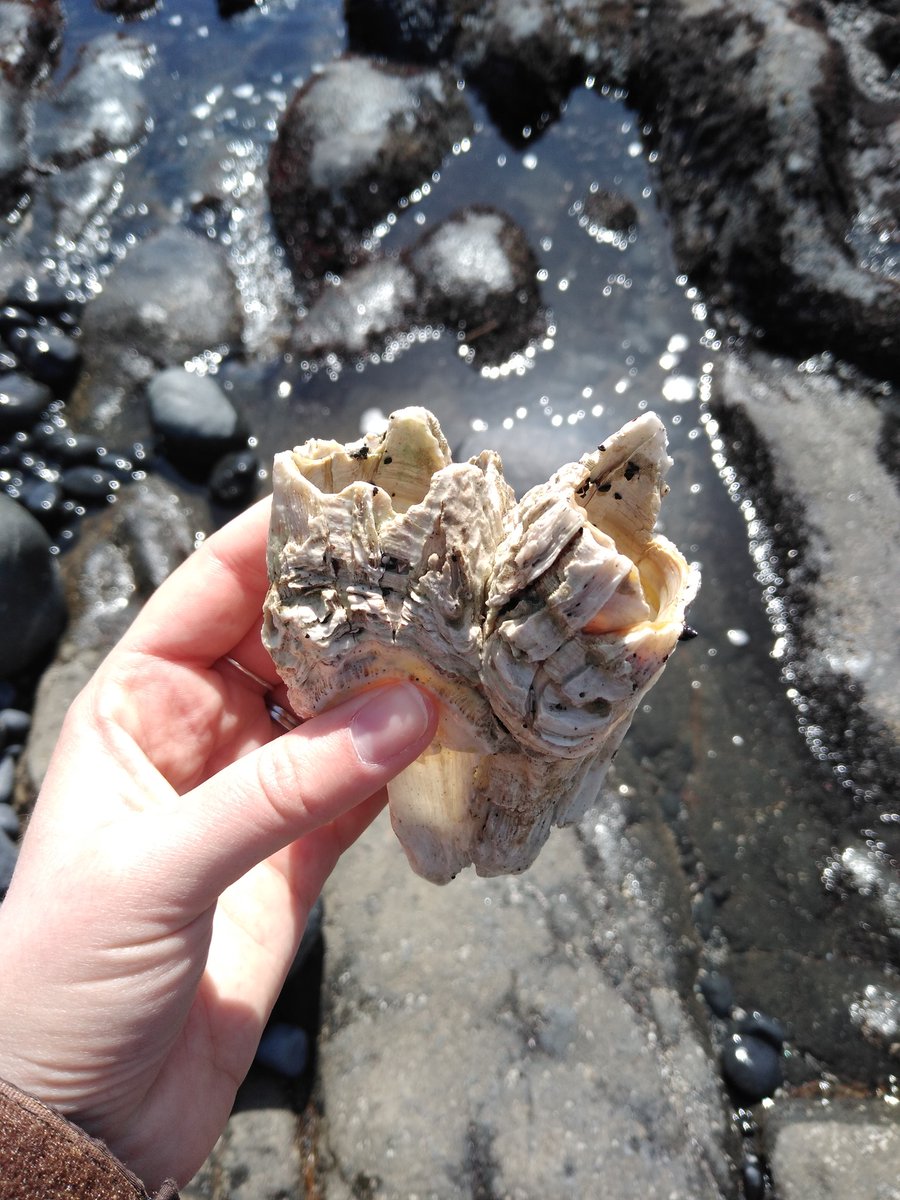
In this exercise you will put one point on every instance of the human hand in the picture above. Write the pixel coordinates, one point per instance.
(178, 844)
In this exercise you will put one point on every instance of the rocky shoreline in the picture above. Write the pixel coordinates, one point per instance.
(617, 1021)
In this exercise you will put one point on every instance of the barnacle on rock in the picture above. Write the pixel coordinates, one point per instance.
(537, 624)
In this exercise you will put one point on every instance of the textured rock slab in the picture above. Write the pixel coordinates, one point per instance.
(843, 1150)
(515, 1038)
(833, 505)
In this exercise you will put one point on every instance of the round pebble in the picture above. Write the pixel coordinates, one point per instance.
(760, 1025)
(9, 821)
(285, 1049)
(717, 992)
(12, 317)
(7, 778)
(234, 478)
(22, 400)
(88, 484)
(751, 1066)
(44, 498)
(753, 1179)
(48, 354)
(14, 725)
(62, 445)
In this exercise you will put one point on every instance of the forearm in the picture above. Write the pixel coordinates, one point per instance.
(45, 1157)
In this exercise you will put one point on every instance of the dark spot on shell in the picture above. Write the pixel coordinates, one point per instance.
(618, 495)
(631, 469)
(688, 633)
(361, 453)
(603, 487)
(387, 460)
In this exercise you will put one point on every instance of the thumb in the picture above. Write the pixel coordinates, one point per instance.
(293, 785)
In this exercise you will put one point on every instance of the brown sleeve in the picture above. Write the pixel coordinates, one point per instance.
(44, 1157)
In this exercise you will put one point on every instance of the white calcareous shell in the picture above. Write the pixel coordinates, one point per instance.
(539, 624)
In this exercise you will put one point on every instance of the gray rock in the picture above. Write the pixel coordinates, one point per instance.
(121, 557)
(171, 298)
(99, 108)
(511, 1019)
(32, 607)
(768, 154)
(808, 445)
(370, 303)
(356, 139)
(194, 419)
(8, 856)
(22, 400)
(478, 274)
(30, 38)
(13, 155)
(835, 1150)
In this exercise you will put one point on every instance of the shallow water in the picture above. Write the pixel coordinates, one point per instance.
(719, 743)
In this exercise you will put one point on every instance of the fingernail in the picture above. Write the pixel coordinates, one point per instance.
(387, 724)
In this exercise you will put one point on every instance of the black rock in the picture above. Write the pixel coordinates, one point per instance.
(753, 1178)
(410, 30)
(762, 1026)
(48, 354)
(44, 498)
(234, 478)
(228, 8)
(22, 400)
(355, 140)
(8, 361)
(609, 210)
(194, 419)
(126, 8)
(30, 38)
(32, 607)
(100, 107)
(44, 298)
(7, 778)
(88, 484)
(65, 446)
(751, 1066)
(284, 1049)
(13, 155)
(9, 820)
(478, 275)
(14, 725)
(8, 855)
(717, 992)
(13, 316)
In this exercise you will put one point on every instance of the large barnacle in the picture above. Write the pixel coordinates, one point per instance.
(539, 625)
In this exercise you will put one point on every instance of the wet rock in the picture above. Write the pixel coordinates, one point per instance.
(603, 209)
(36, 294)
(194, 419)
(357, 314)
(8, 856)
(767, 156)
(33, 612)
(234, 479)
(410, 30)
(355, 140)
(49, 356)
(22, 400)
(284, 1049)
(751, 1066)
(126, 8)
(717, 992)
(99, 108)
(9, 818)
(76, 196)
(171, 298)
(839, 1150)
(63, 445)
(30, 38)
(13, 154)
(14, 725)
(88, 484)
(122, 556)
(520, 1043)
(478, 275)
(762, 1027)
(44, 499)
(807, 443)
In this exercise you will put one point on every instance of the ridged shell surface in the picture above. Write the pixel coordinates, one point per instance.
(538, 624)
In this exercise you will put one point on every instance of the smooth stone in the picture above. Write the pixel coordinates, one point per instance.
(8, 361)
(235, 478)
(14, 725)
(359, 313)
(717, 992)
(66, 446)
(285, 1049)
(44, 297)
(9, 819)
(22, 400)
(753, 1179)
(8, 855)
(7, 778)
(761, 1025)
(33, 611)
(88, 484)
(44, 498)
(195, 420)
(13, 317)
(49, 355)
(752, 1066)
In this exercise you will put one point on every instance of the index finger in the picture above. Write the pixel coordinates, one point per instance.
(213, 599)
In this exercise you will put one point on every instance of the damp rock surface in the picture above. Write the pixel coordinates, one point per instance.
(32, 606)
(356, 139)
(839, 1150)
(369, 303)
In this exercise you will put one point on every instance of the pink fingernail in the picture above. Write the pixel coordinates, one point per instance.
(387, 724)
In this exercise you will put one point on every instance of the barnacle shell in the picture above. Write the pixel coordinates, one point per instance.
(538, 624)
